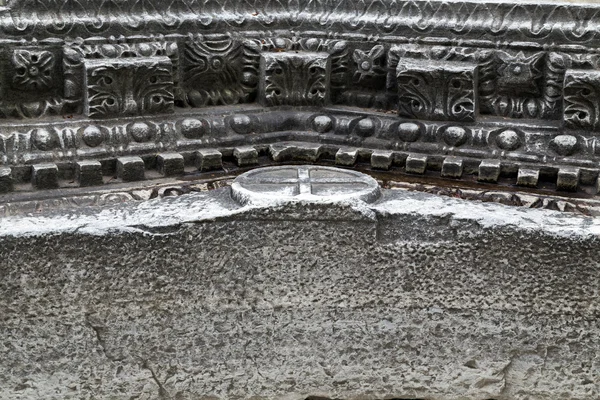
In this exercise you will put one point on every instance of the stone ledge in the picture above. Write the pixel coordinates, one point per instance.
(414, 296)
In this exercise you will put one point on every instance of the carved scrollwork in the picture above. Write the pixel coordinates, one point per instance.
(437, 91)
(582, 100)
(290, 78)
(129, 87)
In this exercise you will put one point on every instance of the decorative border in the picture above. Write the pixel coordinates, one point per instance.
(388, 76)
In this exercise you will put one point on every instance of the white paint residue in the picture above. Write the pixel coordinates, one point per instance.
(157, 213)
(490, 215)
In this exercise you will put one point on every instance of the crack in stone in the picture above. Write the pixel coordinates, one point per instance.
(99, 331)
(162, 392)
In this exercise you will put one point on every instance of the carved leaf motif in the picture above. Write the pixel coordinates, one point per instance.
(582, 100)
(437, 91)
(116, 89)
(33, 69)
(295, 79)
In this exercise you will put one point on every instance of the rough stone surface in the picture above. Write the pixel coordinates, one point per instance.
(44, 176)
(88, 173)
(130, 169)
(196, 297)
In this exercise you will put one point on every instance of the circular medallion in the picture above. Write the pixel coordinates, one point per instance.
(306, 182)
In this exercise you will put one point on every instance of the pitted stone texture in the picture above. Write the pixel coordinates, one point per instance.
(430, 298)
(130, 169)
(306, 182)
(489, 171)
(290, 151)
(6, 180)
(170, 164)
(209, 159)
(44, 176)
(88, 173)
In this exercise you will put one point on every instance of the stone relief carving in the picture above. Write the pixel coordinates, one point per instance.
(213, 72)
(34, 69)
(440, 91)
(137, 86)
(294, 79)
(131, 59)
(582, 99)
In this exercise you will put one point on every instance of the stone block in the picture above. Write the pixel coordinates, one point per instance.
(382, 159)
(435, 90)
(116, 87)
(209, 159)
(528, 177)
(6, 180)
(452, 167)
(568, 179)
(346, 157)
(489, 171)
(416, 164)
(170, 164)
(88, 173)
(295, 152)
(294, 78)
(44, 176)
(245, 156)
(131, 169)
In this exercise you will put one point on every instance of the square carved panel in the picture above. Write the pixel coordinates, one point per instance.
(582, 99)
(213, 72)
(437, 90)
(128, 86)
(294, 78)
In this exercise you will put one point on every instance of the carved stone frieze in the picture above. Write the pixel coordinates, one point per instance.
(128, 87)
(439, 91)
(436, 79)
(294, 78)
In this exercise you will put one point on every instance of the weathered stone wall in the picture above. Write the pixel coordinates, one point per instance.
(415, 296)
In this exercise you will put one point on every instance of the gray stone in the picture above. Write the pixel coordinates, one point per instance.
(322, 124)
(528, 177)
(346, 157)
(297, 183)
(489, 171)
(452, 167)
(416, 164)
(89, 173)
(209, 159)
(295, 151)
(245, 156)
(382, 159)
(568, 179)
(195, 296)
(170, 164)
(294, 78)
(131, 169)
(6, 180)
(44, 176)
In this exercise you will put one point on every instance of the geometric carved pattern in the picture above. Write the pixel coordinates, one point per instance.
(128, 87)
(213, 72)
(291, 78)
(436, 90)
(520, 75)
(582, 99)
(517, 87)
(34, 69)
